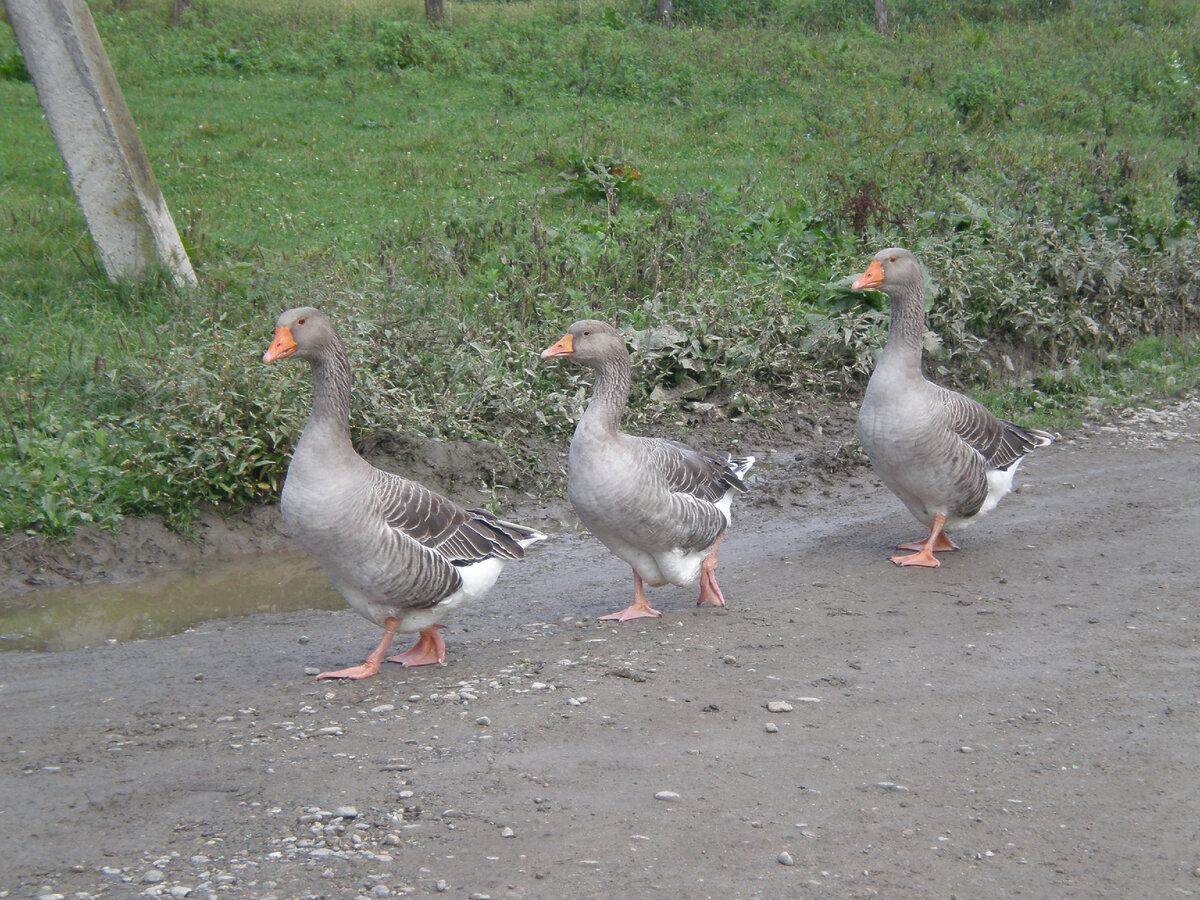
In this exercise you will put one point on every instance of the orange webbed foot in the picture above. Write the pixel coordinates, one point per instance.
(429, 649)
(924, 558)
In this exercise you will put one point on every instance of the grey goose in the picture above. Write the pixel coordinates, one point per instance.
(659, 505)
(945, 455)
(400, 554)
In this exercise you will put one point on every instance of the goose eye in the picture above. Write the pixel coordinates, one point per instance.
(586, 333)
(301, 320)
(891, 259)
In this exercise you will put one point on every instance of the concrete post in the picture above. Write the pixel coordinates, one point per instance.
(105, 159)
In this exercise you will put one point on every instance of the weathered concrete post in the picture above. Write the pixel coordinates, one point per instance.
(105, 160)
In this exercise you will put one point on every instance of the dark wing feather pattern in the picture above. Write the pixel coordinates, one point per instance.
(460, 535)
(999, 442)
(702, 473)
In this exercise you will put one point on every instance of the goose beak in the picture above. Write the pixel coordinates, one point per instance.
(282, 347)
(564, 347)
(872, 278)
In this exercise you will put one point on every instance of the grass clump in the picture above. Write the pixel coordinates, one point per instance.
(456, 196)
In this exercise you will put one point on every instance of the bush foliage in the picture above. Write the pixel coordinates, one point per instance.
(456, 196)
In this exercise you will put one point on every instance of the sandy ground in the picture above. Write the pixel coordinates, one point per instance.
(1024, 721)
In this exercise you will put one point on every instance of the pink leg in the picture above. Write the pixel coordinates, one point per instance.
(371, 666)
(639, 609)
(710, 591)
(429, 649)
(925, 557)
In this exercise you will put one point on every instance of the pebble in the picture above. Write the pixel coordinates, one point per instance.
(507, 832)
(779, 706)
(311, 670)
(303, 639)
(483, 721)
(785, 859)
(966, 749)
(180, 891)
(441, 886)
(772, 728)
(383, 708)
(153, 877)
(892, 786)
(346, 812)
(666, 795)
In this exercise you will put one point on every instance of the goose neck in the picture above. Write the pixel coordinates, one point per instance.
(906, 327)
(331, 392)
(610, 394)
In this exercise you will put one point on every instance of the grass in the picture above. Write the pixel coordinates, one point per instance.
(455, 197)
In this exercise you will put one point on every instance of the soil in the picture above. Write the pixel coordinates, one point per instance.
(1023, 721)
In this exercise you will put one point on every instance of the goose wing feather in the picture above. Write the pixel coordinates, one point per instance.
(459, 535)
(1001, 443)
(704, 474)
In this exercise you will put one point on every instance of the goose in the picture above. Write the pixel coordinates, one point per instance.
(399, 554)
(945, 455)
(657, 504)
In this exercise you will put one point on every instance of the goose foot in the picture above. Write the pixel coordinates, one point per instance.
(639, 609)
(924, 555)
(429, 649)
(371, 666)
(923, 558)
(943, 545)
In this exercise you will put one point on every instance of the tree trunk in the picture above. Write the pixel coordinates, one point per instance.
(435, 11)
(881, 18)
(662, 12)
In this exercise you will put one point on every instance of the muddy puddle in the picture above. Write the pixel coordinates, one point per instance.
(71, 618)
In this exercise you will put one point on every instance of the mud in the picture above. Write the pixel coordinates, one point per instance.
(1023, 721)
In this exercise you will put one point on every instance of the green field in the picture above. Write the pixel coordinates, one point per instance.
(456, 196)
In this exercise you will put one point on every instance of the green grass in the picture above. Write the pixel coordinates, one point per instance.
(456, 196)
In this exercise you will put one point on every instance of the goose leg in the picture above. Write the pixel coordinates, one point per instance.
(371, 666)
(710, 591)
(924, 556)
(429, 649)
(639, 609)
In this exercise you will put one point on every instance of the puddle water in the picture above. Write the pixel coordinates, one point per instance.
(71, 618)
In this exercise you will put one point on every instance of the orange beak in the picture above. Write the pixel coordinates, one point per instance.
(871, 278)
(564, 347)
(282, 347)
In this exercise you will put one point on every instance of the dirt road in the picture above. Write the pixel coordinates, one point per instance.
(1024, 721)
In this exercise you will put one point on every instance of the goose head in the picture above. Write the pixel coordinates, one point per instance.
(590, 342)
(893, 271)
(304, 332)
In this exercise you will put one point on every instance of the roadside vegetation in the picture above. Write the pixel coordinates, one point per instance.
(456, 196)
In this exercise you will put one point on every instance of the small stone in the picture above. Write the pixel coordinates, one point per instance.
(483, 721)
(729, 660)
(381, 890)
(785, 859)
(892, 786)
(303, 639)
(180, 890)
(507, 832)
(772, 728)
(153, 877)
(311, 670)
(966, 749)
(779, 706)
(346, 812)
(666, 795)
(441, 886)
(382, 708)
